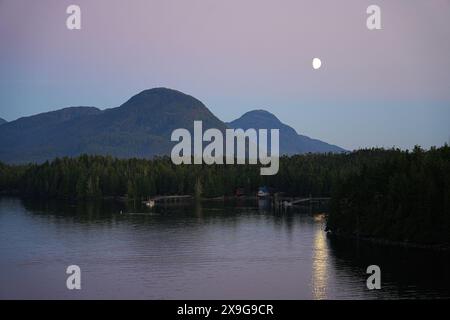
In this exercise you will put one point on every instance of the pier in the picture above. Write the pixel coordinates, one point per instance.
(306, 200)
(284, 202)
(166, 199)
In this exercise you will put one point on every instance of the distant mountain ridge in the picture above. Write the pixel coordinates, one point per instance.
(2, 121)
(290, 141)
(141, 128)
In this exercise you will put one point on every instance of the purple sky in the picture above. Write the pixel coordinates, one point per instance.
(375, 88)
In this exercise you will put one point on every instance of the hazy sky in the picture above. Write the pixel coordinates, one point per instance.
(375, 88)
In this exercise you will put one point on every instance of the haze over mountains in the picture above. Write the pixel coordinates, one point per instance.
(141, 127)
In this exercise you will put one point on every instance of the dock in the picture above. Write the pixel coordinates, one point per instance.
(306, 200)
(284, 202)
(151, 202)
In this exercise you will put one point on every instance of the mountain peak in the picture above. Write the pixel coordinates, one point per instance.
(165, 109)
(160, 95)
(159, 90)
(257, 119)
(290, 141)
(260, 113)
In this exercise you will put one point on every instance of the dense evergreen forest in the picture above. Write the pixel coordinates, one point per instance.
(98, 176)
(388, 194)
(396, 196)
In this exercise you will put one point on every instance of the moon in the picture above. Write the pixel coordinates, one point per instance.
(316, 63)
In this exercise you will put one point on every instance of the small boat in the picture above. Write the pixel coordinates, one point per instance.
(287, 203)
(150, 203)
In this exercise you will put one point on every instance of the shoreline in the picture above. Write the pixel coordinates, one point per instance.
(329, 233)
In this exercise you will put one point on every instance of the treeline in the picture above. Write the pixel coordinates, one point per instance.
(99, 176)
(401, 196)
(388, 194)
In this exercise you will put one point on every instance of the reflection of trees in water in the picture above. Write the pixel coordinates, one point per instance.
(405, 272)
(81, 212)
(104, 211)
(226, 213)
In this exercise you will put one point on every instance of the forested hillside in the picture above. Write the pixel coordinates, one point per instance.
(387, 194)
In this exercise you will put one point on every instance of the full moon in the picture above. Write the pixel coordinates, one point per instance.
(316, 63)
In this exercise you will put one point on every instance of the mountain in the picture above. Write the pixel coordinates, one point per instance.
(141, 127)
(290, 141)
(2, 121)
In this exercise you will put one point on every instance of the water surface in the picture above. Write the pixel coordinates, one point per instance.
(208, 251)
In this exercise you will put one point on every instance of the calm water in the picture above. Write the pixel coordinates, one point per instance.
(213, 251)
